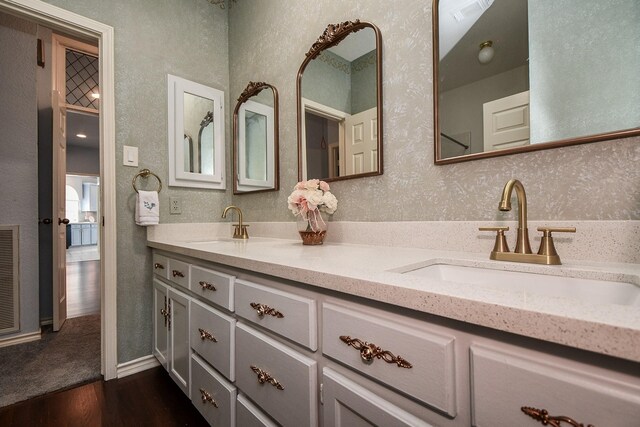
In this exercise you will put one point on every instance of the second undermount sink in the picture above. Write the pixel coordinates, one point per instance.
(586, 290)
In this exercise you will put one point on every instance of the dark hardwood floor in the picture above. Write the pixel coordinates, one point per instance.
(83, 288)
(149, 398)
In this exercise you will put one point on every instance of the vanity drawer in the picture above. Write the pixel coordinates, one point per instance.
(286, 314)
(248, 415)
(161, 265)
(292, 401)
(213, 286)
(213, 337)
(431, 377)
(212, 395)
(502, 382)
(349, 404)
(178, 272)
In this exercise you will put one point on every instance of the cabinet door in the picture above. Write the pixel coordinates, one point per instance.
(76, 235)
(94, 234)
(86, 234)
(179, 351)
(347, 404)
(160, 322)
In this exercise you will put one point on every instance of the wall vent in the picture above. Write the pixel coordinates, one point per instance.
(9, 279)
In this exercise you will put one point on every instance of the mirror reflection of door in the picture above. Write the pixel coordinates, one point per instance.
(199, 154)
(321, 132)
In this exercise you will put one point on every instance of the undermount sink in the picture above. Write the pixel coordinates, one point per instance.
(586, 290)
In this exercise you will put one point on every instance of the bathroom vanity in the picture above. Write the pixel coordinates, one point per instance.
(268, 330)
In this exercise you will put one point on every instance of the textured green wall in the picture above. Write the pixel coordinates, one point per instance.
(268, 41)
(186, 38)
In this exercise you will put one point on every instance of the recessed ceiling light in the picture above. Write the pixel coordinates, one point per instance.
(81, 135)
(95, 95)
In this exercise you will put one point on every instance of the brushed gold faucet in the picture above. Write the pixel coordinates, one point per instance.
(522, 242)
(240, 229)
(522, 253)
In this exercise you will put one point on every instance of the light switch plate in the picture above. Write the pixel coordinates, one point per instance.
(130, 156)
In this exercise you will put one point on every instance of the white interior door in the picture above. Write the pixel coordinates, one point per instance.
(59, 209)
(361, 144)
(506, 122)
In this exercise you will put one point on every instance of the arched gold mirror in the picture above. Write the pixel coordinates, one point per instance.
(339, 90)
(255, 140)
(512, 76)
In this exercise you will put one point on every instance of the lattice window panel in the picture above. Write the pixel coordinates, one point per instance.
(82, 79)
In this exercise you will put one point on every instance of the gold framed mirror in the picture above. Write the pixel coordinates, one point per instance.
(339, 104)
(513, 76)
(255, 140)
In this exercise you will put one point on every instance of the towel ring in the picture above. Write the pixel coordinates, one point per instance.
(144, 173)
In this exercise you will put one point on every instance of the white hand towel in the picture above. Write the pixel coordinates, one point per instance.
(147, 208)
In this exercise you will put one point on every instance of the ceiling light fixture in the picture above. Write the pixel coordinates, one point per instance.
(486, 52)
(81, 135)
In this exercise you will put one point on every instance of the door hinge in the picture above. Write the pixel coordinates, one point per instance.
(40, 54)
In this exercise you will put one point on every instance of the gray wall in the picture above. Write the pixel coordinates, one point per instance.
(590, 182)
(186, 38)
(363, 78)
(327, 80)
(585, 67)
(461, 108)
(19, 155)
(83, 160)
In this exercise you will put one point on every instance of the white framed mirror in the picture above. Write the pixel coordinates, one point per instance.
(196, 134)
(255, 139)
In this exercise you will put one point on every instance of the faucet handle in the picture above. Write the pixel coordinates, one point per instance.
(501, 240)
(240, 231)
(547, 247)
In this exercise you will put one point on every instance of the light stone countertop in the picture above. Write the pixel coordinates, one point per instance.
(367, 271)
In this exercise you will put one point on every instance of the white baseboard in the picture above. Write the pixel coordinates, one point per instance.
(20, 339)
(46, 321)
(137, 365)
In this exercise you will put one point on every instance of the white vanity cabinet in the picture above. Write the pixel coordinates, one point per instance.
(160, 322)
(348, 404)
(503, 381)
(178, 325)
(212, 394)
(171, 332)
(278, 378)
(393, 350)
(297, 355)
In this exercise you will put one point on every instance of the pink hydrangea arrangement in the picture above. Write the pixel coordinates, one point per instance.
(309, 198)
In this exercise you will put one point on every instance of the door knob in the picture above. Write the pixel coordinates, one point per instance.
(45, 221)
(63, 221)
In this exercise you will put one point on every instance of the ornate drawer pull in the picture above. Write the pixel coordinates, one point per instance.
(206, 286)
(206, 397)
(369, 350)
(265, 377)
(263, 309)
(157, 265)
(543, 416)
(206, 335)
(177, 273)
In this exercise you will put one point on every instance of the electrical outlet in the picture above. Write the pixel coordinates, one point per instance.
(175, 207)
